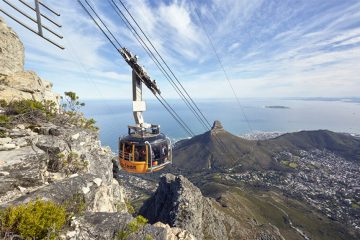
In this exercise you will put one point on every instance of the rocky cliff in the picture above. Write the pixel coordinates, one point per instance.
(15, 82)
(179, 203)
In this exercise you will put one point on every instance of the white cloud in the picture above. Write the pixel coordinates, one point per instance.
(268, 48)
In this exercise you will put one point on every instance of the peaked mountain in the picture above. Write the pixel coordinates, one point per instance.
(220, 150)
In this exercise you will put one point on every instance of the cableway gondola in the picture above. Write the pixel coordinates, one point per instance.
(144, 149)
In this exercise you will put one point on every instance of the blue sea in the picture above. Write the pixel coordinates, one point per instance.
(250, 116)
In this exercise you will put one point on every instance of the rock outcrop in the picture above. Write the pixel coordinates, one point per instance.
(11, 51)
(15, 82)
(179, 203)
(32, 158)
(103, 226)
(217, 127)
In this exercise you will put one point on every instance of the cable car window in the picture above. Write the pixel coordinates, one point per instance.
(156, 151)
(140, 153)
(128, 151)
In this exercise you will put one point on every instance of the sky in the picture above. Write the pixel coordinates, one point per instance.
(268, 48)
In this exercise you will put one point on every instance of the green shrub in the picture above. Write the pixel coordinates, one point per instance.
(132, 227)
(293, 165)
(46, 108)
(129, 207)
(90, 124)
(148, 237)
(34, 220)
(24, 106)
(5, 121)
(355, 205)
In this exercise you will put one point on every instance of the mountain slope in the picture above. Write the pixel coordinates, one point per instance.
(220, 150)
(343, 145)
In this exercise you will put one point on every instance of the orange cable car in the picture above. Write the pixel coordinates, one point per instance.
(144, 149)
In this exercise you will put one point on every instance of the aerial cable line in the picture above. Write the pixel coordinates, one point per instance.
(221, 65)
(153, 57)
(104, 24)
(97, 24)
(223, 68)
(168, 108)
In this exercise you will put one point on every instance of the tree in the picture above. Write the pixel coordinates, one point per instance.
(71, 102)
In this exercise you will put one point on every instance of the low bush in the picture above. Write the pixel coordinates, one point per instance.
(26, 111)
(5, 121)
(34, 220)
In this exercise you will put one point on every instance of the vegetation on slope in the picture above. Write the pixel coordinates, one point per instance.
(34, 220)
(33, 112)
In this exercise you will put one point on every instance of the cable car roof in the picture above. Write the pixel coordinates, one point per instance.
(147, 137)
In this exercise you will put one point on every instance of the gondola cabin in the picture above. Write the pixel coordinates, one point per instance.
(144, 152)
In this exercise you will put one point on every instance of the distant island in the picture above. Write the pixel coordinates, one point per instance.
(328, 99)
(277, 106)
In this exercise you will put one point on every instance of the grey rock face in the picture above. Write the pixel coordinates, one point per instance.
(37, 160)
(11, 50)
(179, 203)
(25, 167)
(107, 225)
(98, 226)
(96, 198)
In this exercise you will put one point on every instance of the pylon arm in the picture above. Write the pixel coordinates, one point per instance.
(139, 70)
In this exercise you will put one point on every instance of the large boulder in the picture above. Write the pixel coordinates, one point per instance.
(11, 94)
(11, 51)
(28, 81)
(179, 203)
(26, 85)
(20, 169)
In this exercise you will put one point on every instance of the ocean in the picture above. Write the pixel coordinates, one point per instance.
(254, 115)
